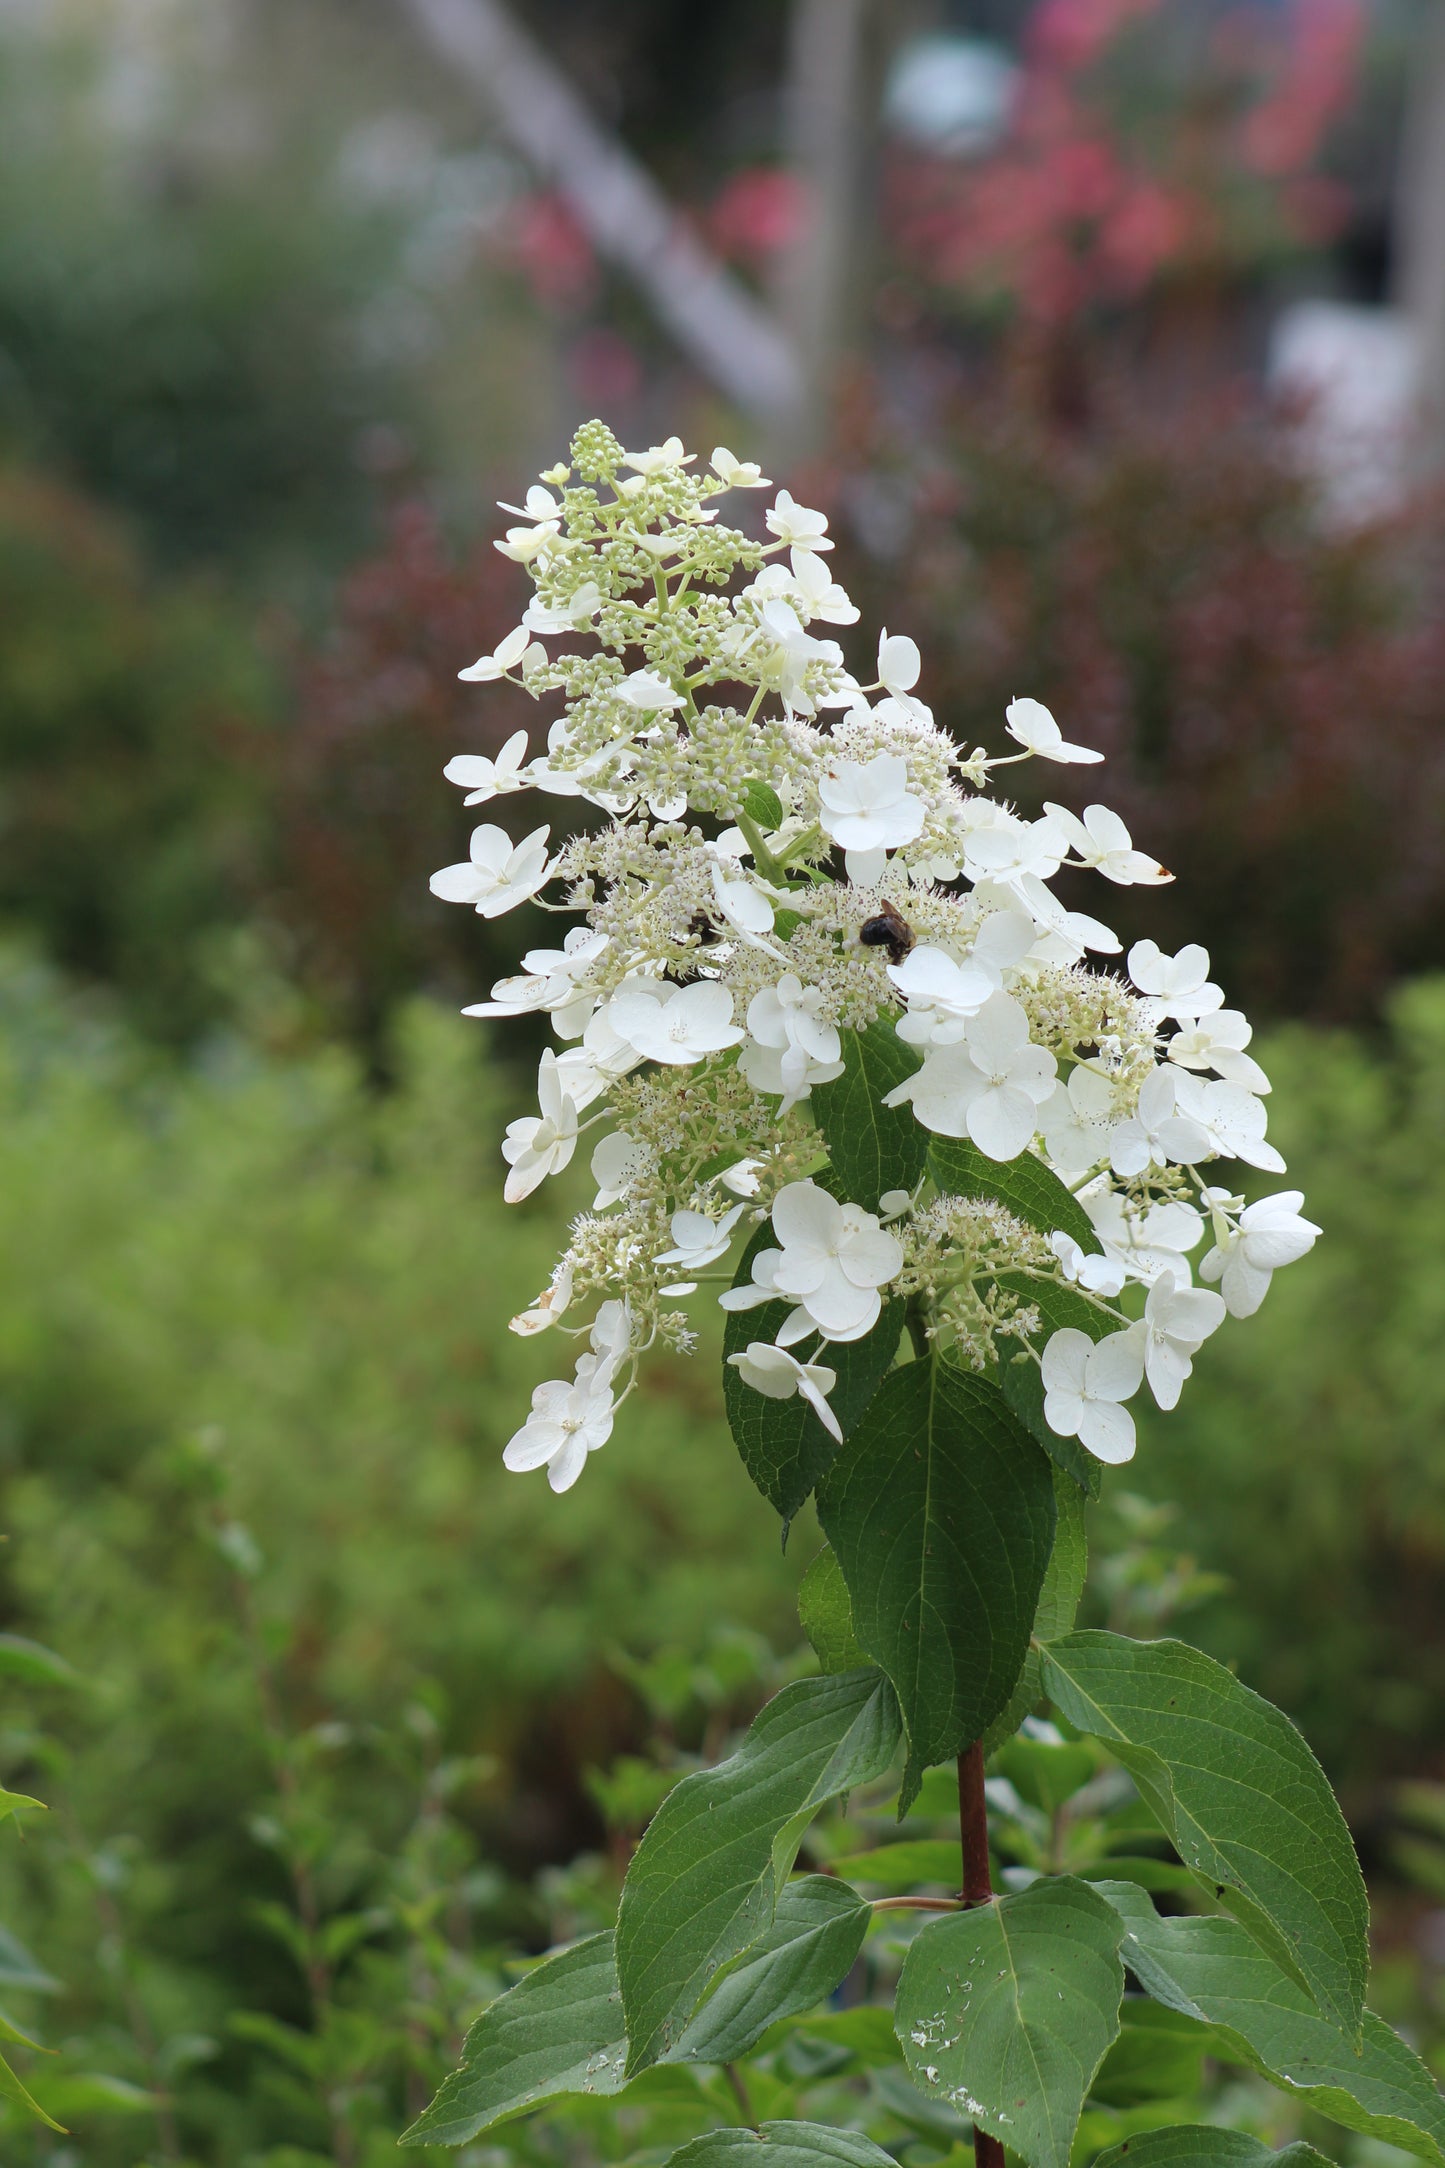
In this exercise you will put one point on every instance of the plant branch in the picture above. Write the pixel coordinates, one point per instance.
(977, 1890)
(973, 1827)
(740, 2094)
(917, 1904)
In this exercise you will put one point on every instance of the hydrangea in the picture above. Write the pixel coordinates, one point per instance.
(799, 885)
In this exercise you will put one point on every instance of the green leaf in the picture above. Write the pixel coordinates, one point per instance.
(941, 1512)
(559, 2030)
(1240, 1795)
(19, 1969)
(1160, 1874)
(816, 1934)
(82, 2093)
(1209, 1969)
(873, 1148)
(1205, 2145)
(1008, 2010)
(827, 1615)
(1058, 1605)
(1022, 1379)
(1159, 2055)
(705, 1880)
(784, 1447)
(906, 1865)
(1044, 1774)
(865, 2033)
(12, 2089)
(762, 804)
(782, 2145)
(1025, 1186)
(34, 1665)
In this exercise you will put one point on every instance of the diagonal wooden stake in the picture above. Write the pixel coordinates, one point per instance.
(728, 334)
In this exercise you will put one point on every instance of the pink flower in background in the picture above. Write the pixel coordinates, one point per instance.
(1110, 179)
(551, 250)
(1317, 75)
(755, 214)
(1070, 34)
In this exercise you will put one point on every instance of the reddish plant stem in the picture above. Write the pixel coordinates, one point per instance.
(973, 1827)
(977, 1890)
(741, 2095)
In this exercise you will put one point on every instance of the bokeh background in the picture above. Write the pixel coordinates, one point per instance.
(1111, 334)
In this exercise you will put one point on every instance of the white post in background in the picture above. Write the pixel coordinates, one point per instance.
(829, 118)
(1420, 229)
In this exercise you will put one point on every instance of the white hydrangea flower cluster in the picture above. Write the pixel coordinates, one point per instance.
(788, 855)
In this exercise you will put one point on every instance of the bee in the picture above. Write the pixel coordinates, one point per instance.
(889, 930)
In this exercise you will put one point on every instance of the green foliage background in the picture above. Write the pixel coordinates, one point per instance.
(255, 1270)
(356, 1720)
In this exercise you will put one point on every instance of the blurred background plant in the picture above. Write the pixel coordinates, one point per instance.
(1111, 333)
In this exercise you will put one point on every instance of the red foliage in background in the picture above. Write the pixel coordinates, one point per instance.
(1124, 162)
(365, 816)
(1270, 694)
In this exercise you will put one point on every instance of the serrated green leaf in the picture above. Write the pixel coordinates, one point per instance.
(784, 1447)
(1007, 2011)
(559, 2030)
(1209, 1969)
(762, 804)
(1058, 1606)
(1240, 1795)
(1025, 1186)
(1022, 1380)
(817, 1932)
(826, 1615)
(1159, 2055)
(906, 1865)
(705, 1881)
(782, 2145)
(1205, 2145)
(941, 1511)
(873, 1148)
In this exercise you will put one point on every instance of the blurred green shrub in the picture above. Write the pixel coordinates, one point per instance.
(136, 761)
(256, 1271)
(180, 300)
(251, 1409)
